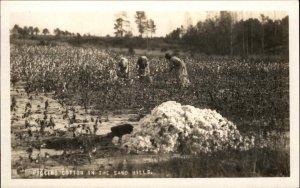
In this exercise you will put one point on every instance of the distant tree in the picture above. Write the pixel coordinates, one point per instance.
(129, 34)
(36, 30)
(151, 27)
(57, 32)
(175, 34)
(24, 32)
(16, 27)
(225, 34)
(233, 18)
(30, 30)
(264, 19)
(141, 21)
(122, 24)
(284, 25)
(118, 27)
(191, 36)
(15, 31)
(67, 33)
(252, 30)
(45, 31)
(187, 20)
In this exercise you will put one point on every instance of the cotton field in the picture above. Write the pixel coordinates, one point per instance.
(66, 102)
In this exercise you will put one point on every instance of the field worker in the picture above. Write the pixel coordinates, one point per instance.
(180, 70)
(144, 69)
(123, 68)
(112, 75)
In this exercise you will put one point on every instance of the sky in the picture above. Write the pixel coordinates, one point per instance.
(98, 20)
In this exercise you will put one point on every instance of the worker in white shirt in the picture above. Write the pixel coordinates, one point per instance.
(144, 69)
(123, 68)
(180, 70)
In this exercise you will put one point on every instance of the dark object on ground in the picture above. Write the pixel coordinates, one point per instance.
(121, 130)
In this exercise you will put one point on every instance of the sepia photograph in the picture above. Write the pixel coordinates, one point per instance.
(104, 91)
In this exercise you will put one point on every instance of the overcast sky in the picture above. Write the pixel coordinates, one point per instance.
(99, 20)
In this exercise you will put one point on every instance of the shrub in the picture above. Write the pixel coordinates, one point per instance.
(131, 51)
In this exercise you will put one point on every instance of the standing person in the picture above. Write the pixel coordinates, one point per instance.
(180, 70)
(144, 69)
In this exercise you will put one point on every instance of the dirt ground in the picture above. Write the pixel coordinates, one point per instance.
(57, 148)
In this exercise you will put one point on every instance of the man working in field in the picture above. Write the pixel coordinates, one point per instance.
(144, 69)
(180, 70)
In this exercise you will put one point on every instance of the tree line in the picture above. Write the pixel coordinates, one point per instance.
(225, 35)
(222, 34)
(27, 31)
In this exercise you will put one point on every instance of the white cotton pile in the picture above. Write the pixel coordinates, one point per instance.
(172, 127)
